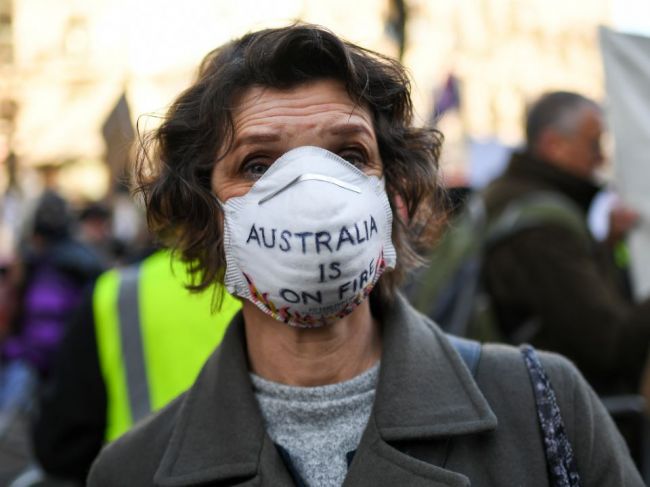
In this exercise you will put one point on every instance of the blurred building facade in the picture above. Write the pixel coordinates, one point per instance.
(504, 53)
(65, 65)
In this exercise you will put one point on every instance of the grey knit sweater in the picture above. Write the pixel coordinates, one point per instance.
(318, 426)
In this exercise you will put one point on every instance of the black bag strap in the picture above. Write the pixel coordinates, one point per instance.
(561, 463)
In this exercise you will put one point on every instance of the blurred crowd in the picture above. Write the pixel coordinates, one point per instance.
(53, 250)
(61, 252)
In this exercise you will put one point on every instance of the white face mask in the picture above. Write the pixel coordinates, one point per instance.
(310, 239)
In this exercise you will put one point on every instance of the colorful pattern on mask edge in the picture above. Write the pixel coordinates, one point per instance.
(286, 315)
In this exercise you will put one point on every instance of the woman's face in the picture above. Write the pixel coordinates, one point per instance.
(269, 122)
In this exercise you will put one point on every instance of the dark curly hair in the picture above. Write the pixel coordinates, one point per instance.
(175, 162)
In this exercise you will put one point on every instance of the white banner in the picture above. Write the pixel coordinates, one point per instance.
(627, 79)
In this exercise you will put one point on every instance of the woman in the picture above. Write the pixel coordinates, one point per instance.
(290, 171)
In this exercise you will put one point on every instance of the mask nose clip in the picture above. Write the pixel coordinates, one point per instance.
(311, 177)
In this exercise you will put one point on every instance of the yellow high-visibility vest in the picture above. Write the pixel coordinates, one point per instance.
(153, 336)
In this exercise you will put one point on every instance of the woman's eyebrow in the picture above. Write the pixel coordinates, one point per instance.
(256, 138)
(351, 128)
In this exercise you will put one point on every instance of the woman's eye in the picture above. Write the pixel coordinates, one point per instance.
(254, 168)
(356, 157)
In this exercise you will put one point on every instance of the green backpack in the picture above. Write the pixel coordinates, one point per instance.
(450, 289)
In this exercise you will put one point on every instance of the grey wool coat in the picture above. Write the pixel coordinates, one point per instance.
(432, 423)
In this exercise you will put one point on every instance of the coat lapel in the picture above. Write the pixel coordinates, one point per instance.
(219, 435)
(379, 463)
(424, 398)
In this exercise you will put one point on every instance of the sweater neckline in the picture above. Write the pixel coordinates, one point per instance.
(362, 383)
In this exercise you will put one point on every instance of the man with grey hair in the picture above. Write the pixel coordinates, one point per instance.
(564, 129)
(550, 282)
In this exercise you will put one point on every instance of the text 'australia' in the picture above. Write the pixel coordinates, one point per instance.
(319, 241)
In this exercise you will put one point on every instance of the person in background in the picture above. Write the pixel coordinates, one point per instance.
(136, 342)
(54, 269)
(557, 282)
(94, 229)
(279, 173)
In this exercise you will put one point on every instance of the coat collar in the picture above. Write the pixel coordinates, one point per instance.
(424, 392)
(580, 190)
(219, 432)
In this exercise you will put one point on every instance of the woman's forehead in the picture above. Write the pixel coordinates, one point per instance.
(322, 102)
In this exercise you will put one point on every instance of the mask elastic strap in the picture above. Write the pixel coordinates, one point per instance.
(221, 204)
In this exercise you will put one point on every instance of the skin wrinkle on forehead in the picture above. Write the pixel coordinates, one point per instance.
(251, 98)
(312, 117)
(260, 102)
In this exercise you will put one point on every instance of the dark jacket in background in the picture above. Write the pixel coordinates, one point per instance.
(69, 430)
(55, 278)
(432, 423)
(569, 288)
